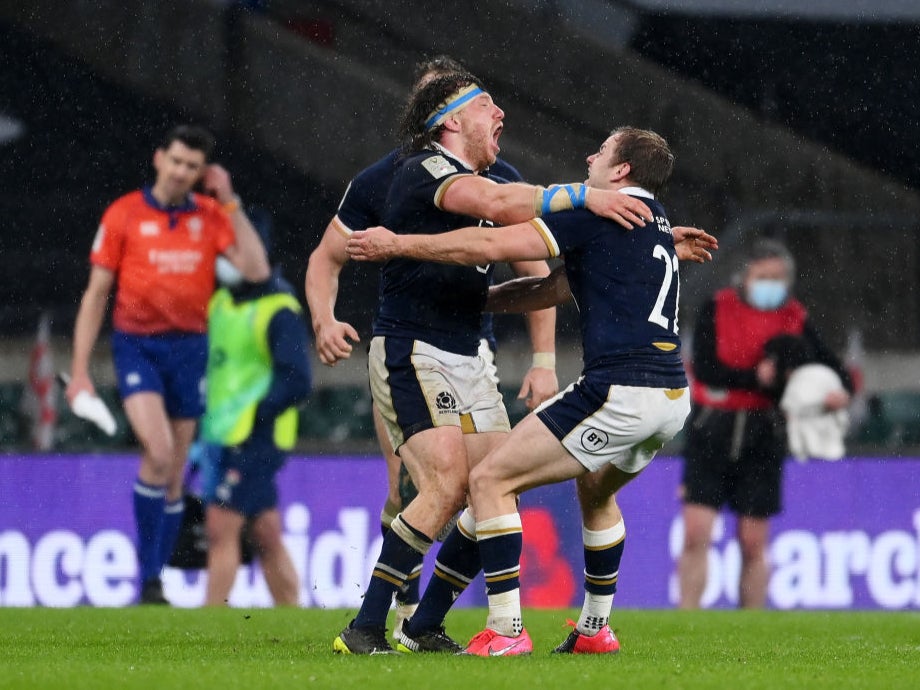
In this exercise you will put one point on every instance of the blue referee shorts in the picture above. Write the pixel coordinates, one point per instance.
(172, 365)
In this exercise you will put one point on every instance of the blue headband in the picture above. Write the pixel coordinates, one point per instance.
(455, 103)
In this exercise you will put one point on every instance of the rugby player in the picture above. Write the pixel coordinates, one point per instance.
(363, 206)
(441, 410)
(632, 396)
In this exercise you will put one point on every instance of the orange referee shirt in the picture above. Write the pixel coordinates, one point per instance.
(163, 259)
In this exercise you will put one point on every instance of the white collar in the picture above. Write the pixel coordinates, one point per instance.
(447, 151)
(637, 191)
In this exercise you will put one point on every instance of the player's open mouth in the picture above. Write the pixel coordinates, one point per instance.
(497, 133)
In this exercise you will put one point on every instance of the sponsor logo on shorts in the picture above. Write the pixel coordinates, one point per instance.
(445, 402)
(224, 490)
(594, 440)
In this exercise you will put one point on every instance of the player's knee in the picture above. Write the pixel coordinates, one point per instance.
(484, 481)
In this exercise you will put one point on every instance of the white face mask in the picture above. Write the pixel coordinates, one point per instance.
(767, 295)
(227, 274)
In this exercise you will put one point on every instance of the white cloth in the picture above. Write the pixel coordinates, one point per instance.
(93, 409)
(813, 432)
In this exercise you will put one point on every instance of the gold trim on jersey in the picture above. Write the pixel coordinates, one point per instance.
(442, 190)
(342, 229)
(546, 236)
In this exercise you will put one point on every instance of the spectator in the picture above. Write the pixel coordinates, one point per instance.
(736, 440)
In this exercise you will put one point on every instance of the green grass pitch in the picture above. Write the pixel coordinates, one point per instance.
(152, 647)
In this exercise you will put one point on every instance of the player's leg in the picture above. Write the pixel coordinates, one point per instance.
(456, 566)
(484, 420)
(407, 597)
(224, 527)
(625, 432)
(277, 566)
(418, 407)
(532, 456)
(393, 503)
(604, 539)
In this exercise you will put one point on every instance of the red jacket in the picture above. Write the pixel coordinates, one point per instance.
(741, 331)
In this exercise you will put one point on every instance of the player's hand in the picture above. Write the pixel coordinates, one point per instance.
(539, 384)
(216, 182)
(333, 341)
(373, 244)
(693, 244)
(621, 208)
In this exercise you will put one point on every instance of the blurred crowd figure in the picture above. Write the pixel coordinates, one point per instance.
(749, 338)
(258, 373)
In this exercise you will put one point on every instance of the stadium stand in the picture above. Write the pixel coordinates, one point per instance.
(302, 96)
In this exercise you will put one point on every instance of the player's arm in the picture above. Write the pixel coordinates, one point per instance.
(247, 253)
(86, 329)
(530, 293)
(540, 382)
(471, 246)
(515, 202)
(333, 337)
(693, 244)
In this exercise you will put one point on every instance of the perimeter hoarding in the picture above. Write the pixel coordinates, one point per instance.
(849, 537)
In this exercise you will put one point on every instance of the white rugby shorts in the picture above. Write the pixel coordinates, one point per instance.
(417, 386)
(624, 426)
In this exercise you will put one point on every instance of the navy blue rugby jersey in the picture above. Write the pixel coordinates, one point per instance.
(438, 303)
(626, 286)
(362, 206)
(364, 201)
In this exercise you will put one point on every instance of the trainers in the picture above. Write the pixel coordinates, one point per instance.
(403, 613)
(490, 643)
(603, 642)
(354, 640)
(152, 593)
(436, 640)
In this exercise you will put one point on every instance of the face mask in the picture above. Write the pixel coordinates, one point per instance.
(227, 274)
(767, 295)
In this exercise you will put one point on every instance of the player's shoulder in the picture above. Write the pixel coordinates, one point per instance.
(382, 165)
(432, 164)
(377, 175)
(504, 171)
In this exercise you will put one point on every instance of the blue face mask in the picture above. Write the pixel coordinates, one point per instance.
(767, 295)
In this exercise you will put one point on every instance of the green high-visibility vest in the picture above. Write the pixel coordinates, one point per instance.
(240, 369)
